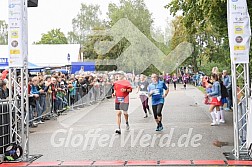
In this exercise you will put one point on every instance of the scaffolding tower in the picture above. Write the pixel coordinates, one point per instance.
(18, 75)
(239, 33)
(241, 95)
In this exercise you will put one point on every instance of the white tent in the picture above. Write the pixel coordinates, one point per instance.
(48, 55)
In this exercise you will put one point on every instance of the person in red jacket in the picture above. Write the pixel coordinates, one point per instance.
(122, 88)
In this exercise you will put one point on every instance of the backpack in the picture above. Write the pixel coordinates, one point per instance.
(224, 92)
(13, 152)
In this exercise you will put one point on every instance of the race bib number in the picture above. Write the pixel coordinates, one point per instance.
(120, 99)
(156, 92)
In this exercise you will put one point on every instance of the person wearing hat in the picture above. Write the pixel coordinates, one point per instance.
(122, 88)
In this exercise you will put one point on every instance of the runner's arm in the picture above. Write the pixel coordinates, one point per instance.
(138, 89)
(129, 89)
(166, 90)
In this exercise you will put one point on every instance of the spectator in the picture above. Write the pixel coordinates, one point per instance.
(36, 92)
(216, 100)
(227, 82)
(32, 105)
(215, 70)
(2, 92)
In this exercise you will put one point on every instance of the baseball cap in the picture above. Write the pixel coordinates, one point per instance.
(120, 73)
(62, 83)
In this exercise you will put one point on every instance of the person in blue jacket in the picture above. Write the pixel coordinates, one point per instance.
(36, 93)
(216, 100)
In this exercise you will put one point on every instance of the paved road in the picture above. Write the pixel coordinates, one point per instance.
(88, 133)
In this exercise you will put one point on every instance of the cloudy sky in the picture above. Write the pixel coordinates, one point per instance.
(59, 14)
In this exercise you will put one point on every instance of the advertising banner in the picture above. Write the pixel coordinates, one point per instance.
(17, 39)
(239, 31)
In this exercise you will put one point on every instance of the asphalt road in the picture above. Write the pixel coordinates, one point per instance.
(88, 133)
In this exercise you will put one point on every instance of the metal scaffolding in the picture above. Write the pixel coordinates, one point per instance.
(239, 43)
(19, 108)
(18, 75)
(241, 93)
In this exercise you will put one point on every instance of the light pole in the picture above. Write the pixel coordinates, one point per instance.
(68, 59)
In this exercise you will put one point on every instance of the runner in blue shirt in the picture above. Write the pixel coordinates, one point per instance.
(156, 91)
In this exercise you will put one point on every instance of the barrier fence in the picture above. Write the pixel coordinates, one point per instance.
(4, 125)
(47, 106)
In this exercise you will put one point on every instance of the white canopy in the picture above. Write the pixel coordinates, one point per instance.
(48, 55)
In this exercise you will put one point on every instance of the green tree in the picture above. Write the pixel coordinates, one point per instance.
(136, 12)
(3, 33)
(83, 24)
(205, 23)
(55, 36)
(86, 20)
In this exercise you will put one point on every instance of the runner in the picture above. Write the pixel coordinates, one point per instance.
(156, 91)
(185, 80)
(122, 88)
(175, 80)
(142, 88)
(216, 100)
(167, 79)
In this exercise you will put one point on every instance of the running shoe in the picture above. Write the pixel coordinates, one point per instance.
(150, 112)
(161, 127)
(146, 116)
(127, 127)
(118, 131)
(157, 129)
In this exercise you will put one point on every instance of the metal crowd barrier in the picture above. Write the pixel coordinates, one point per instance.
(4, 125)
(77, 98)
(95, 94)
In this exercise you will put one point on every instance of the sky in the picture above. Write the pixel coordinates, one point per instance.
(51, 14)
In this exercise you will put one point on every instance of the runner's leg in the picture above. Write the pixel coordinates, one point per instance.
(154, 109)
(118, 117)
(143, 105)
(125, 107)
(159, 115)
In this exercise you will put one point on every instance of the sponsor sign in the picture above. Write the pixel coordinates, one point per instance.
(239, 31)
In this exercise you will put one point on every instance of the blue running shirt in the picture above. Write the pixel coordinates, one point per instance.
(157, 96)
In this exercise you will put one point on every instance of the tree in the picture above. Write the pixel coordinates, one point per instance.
(136, 12)
(55, 36)
(3, 33)
(86, 20)
(206, 24)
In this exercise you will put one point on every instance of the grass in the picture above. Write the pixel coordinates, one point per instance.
(201, 89)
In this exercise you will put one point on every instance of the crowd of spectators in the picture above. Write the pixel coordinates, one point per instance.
(49, 95)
